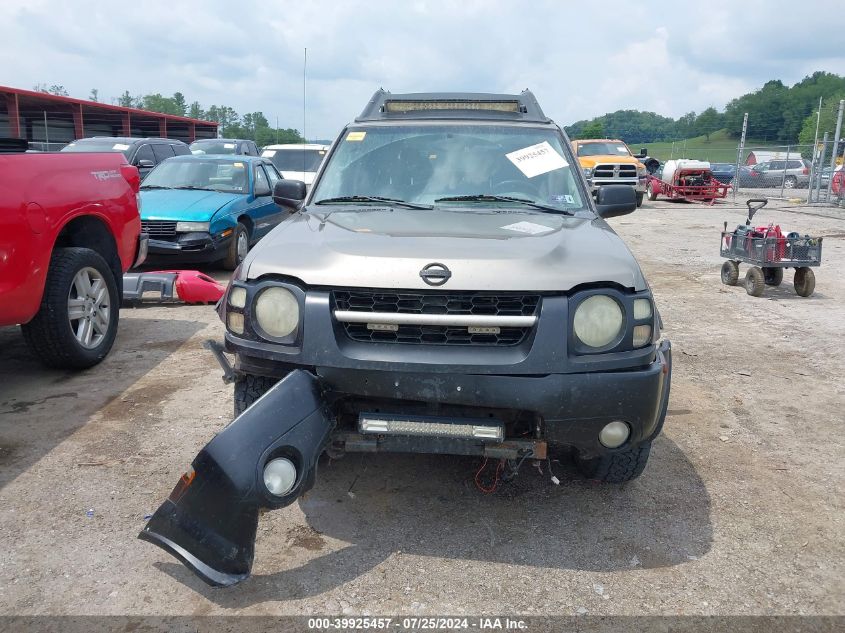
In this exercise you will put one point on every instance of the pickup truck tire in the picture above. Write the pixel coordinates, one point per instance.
(238, 247)
(52, 335)
(249, 389)
(640, 199)
(618, 467)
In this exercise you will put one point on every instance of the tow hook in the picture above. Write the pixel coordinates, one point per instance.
(265, 459)
(230, 374)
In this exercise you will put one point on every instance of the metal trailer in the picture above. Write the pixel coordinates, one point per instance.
(768, 251)
(690, 184)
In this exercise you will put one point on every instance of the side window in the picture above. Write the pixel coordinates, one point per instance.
(262, 186)
(272, 175)
(145, 152)
(253, 150)
(181, 150)
(776, 164)
(162, 152)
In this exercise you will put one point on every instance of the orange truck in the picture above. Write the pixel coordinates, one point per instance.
(611, 162)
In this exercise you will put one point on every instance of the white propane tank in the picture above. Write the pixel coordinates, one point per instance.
(672, 166)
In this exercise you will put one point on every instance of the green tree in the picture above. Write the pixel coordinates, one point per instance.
(592, 130)
(126, 100)
(196, 111)
(708, 122)
(179, 103)
(55, 89)
(94, 94)
(827, 121)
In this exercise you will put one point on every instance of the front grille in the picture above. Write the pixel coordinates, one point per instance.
(435, 303)
(610, 171)
(158, 228)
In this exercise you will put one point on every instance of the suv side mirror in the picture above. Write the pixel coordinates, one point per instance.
(289, 193)
(643, 153)
(613, 200)
(145, 163)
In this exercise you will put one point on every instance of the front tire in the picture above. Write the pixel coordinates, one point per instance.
(804, 281)
(77, 322)
(617, 467)
(755, 282)
(639, 199)
(730, 273)
(249, 389)
(238, 247)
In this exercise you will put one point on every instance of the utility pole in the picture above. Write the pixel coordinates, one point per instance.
(836, 138)
(304, 75)
(813, 170)
(739, 152)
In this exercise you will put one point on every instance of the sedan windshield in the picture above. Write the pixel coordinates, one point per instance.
(452, 165)
(295, 159)
(211, 175)
(108, 145)
(603, 149)
(214, 147)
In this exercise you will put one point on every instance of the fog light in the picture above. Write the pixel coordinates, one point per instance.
(237, 297)
(642, 335)
(614, 434)
(279, 476)
(236, 322)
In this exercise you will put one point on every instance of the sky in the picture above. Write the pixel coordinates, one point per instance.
(581, 59)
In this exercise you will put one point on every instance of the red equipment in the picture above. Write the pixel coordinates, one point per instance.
(688, 184)
(165, 286)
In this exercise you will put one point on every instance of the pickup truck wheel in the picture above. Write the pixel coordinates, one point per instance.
(618, 467)
(77, 322)
(640, 199)
(238, 247)
(249, 389)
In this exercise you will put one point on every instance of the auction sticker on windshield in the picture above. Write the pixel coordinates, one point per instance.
(356, 136)
(537, 159)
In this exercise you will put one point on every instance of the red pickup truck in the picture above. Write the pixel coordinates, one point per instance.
(69, 229)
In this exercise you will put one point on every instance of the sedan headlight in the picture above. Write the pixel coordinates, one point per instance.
(192, 227)
(598, 321)
(276, 311)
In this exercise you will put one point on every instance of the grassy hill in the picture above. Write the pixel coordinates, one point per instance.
(719, 149)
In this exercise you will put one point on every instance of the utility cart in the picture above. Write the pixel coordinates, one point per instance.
(769, 251)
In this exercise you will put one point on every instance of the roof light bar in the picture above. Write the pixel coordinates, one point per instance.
(411, 106)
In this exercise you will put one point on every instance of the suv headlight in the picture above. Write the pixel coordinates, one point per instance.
(588, 173)
(192, 227)
(276, 312)
(598, 321)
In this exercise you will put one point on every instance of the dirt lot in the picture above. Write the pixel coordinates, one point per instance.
(740, 510)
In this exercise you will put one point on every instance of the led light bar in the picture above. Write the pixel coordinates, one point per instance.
(427, 427)
(411, 106)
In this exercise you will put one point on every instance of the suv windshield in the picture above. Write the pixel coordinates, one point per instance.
(423, 163)
(213, 147)
(213, 175)
(295, 159)
(603, 149)
(106, 145)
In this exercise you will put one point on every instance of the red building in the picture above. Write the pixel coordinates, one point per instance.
(54, 121)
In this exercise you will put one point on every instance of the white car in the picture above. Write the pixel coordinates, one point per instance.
(296, 162)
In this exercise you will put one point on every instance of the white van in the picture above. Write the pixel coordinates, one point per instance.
(296, 162)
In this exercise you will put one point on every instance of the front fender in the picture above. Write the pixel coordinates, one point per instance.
(210, 519)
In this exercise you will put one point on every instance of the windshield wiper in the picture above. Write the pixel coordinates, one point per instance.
(192, 188)
(485, 197)
(377, 199)
(155, 187)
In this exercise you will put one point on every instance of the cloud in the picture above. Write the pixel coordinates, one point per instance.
(581, 60)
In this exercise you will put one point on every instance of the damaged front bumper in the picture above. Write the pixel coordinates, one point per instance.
(210, 519)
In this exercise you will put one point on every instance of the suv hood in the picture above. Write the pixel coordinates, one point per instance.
(484, 250)
(183, 204)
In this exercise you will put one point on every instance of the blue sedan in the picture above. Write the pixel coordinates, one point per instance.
(201, 209)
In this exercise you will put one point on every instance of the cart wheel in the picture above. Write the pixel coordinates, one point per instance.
(730, 273)
(652, 194)
(754, 281)
(773, 276)
(804, 282)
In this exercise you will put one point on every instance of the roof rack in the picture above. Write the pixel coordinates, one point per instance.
(385, 106)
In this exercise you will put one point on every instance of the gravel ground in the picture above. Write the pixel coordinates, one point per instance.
(740, 510)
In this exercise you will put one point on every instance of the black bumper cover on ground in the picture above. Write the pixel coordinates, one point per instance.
(209, 521)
